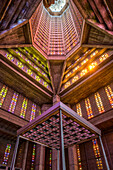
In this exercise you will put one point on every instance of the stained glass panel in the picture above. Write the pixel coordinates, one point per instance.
(109, 93)
(97, 154)
(33, 112)
(3, 93)
(6, 154)
(88, 108)
(13, 102)
(99, 103)
(24, 107)
(79, 111)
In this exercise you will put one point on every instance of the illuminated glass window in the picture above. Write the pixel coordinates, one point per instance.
(88, 108)
(92, 65)
(94, 53)
(9, 56)
(26, 52)
(45, 83)
(28, 61)
(3, 93)
(75, 78)
(19, 64)
(103, 57)
(37, 78)
(79, 159)
(13, 102)
(57, 6)
(69, 66)
(67, 75)
(29, 72)
(24, 107)
(67, 84)
(36, 68)
(6, 154)
(33, 112)
(97, 154)
(69, 48)
(19, 53)
(76, 68)
(33, 157)
(83, 72)
(78, 108)
(99, 103)
(44, 74)
(85, 61)
(109, 94)
(50, 159)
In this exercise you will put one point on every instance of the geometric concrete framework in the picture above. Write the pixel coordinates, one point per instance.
(47, 57)
(59, 127)
(45, 128)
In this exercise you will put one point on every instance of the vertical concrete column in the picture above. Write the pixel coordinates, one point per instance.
(62, 153)
(25, 154)
(103, 150)
(54, 159)
(40, 157)
(56, 99)
(14, 154)
(73, 159)
(107, 150)
(58, 159)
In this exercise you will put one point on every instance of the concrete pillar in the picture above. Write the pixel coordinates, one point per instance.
(40, 157)
(25, 155)
(73, 159)
(14, 154)
(54, 159)
(62, 153)
(56, 99)
(104, 154)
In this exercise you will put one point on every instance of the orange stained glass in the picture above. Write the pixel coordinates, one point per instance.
(97, 154)
(99, 102)
(94, 53)
(83, 72)
(67, 84)
(88, 108)
(103, 57)
(76, 68)
(78, 108)
(75, 78)
(79, 158)
(109, 93)
(67, 75)
(93, 65)
(85, 61)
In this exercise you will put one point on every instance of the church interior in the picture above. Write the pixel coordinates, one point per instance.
(56, 63)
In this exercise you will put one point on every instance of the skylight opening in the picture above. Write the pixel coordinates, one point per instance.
(57, 6)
